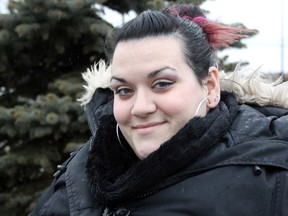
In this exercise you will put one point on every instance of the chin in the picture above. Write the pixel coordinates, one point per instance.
(143, 153)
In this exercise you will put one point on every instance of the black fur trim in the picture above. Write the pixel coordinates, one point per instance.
(116, 175)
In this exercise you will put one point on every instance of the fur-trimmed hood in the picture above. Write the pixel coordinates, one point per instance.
(249, 86)
(116, 174)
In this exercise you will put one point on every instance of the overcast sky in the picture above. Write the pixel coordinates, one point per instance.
(269, 49)
(264, 15)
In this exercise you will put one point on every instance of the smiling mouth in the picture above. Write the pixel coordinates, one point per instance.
(146, 129)
(149, 125)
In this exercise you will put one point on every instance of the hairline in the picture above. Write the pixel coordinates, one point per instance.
(176, 35)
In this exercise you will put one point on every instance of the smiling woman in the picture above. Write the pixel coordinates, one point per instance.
(153, 91)
(166, 140)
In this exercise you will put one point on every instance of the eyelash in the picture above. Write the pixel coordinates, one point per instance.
(119, 90)
(127, 91)
(163, 84)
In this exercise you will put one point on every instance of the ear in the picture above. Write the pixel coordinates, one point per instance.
(213, 87)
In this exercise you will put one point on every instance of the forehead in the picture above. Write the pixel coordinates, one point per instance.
(149, 50)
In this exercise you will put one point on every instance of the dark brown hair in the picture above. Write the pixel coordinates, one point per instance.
(200, 37)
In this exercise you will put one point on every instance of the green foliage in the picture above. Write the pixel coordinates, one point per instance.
(37, 134)
(44, 47)
(24, 166)
(41, 39)
(46, 115)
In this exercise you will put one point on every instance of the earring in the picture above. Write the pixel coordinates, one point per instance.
(212, 68)
(216, 99)
(118, 137)
(199, 105)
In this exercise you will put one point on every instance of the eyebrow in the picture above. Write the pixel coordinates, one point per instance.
(150, 75)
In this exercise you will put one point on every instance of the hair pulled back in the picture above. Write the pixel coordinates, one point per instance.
(199, 36)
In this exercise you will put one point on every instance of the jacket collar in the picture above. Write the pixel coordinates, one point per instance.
(115, 174)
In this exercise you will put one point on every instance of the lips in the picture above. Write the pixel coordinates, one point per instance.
(146, 129)
(143, 126)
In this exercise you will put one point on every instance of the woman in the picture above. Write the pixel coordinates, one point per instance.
(166, 140)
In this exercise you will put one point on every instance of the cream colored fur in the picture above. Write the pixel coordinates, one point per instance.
(255, 87)
(98, 76)
(249, 86)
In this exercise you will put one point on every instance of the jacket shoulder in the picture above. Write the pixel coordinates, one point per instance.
(69, 193)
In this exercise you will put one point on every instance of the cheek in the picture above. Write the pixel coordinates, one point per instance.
(181, 108)
(121, 111)
(178, 103)
(174, 109)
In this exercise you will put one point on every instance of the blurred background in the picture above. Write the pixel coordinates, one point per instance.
(45, 45)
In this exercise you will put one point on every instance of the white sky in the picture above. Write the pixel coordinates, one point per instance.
(266, 16)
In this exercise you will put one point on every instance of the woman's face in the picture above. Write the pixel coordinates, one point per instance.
(156, 92)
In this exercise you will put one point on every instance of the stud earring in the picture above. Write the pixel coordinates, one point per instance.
(216, 99)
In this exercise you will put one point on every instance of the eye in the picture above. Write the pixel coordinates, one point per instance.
(123, 91)
(162, 84)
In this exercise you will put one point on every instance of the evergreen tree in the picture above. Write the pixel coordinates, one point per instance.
(44, 47)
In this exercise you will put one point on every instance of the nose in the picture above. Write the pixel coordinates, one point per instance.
(143, 104)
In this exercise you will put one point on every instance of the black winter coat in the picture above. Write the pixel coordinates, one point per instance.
(233, 161)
